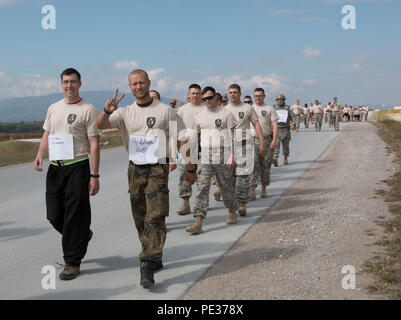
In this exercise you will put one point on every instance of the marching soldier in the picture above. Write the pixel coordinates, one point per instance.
(285, 122)
(306, 115)
(70, 136)
(188, 114)
(318, 112)
(297, 111)
(244, 115)
(336, 113)
(145, 131)
(218, 123)
(268, 122)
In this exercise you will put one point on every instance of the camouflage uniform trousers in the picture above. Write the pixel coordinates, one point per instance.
(336, 119)
(318, 121)
(263, 163)
(284, 137)
(297, 120)
(306, 120)
(149, 195)
(243, 171)
(224, 177)
(184, 187)
(330, 115)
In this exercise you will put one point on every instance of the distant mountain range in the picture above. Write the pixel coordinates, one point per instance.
(35, 108)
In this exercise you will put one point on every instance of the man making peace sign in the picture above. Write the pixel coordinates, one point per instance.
(145, 129)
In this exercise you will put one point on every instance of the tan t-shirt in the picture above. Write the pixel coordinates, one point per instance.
(244, 114)
(317, 108)
(153, 120)
(267, 115)
(296, 109)
(188, 113)
(79, 119)
(216, 125)
(336, 107)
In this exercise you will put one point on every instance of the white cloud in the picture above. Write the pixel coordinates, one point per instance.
(180, 86)
(271, 83)
(27, 85)
(125, 65)
(311, 53)
(162, 85)
(154, 73)
(309, 82)
(352, 68)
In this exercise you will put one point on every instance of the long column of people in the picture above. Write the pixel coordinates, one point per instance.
(217, 139)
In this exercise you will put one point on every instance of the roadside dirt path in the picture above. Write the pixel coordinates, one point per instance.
(323, 222)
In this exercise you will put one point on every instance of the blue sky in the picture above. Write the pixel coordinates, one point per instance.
(294, 47)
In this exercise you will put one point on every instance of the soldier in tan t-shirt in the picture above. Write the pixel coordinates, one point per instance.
(215, 125)
(297, 110)
(146, 121)
(70, 136)
(244, 115)
(318, 113)
(268, 122)
(188, 113)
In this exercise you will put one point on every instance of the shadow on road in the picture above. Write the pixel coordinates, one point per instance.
(19, 233)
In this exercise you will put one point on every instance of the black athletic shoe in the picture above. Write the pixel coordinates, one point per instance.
(147, 272)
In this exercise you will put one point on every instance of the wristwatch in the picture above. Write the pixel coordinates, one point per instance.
(95, 175)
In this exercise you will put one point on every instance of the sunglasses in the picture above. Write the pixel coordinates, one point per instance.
(208, 98)
(247, 101)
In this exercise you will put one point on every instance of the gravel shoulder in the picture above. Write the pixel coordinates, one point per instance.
(326, 220)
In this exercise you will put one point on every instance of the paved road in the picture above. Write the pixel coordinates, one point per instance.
(110, 269)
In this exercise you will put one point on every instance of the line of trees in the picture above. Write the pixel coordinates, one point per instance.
(21, 127)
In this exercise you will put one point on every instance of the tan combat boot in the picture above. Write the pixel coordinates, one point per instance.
(196, 228)
(217, 194)
(251, 193)
(285, 161)
(232, 217)
(241, 209)
(263, 193)
(213, 180)
(185, 208)
(275, 161)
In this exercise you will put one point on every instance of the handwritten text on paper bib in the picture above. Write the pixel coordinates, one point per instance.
(61, 147)
(143, 149)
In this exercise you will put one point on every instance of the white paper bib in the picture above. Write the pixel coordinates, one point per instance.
(283, 115)
(143, 149)
(61, 147)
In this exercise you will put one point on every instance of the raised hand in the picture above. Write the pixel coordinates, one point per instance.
(112, 104)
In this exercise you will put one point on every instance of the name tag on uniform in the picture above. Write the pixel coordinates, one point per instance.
(282, 115)
(61, 147)
(144, 149)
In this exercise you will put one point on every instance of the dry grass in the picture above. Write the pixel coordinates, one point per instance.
(15, 152)
(386, 268)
